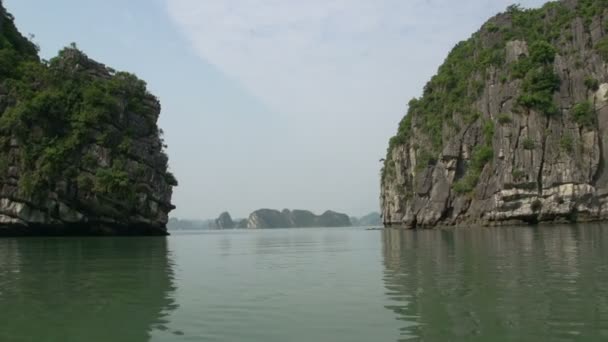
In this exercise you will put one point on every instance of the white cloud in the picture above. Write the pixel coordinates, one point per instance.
(342, 71)
(319, 53)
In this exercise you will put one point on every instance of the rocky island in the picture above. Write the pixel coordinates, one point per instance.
(512, 129)
(270, 218)
(81, 152)
(224, 221)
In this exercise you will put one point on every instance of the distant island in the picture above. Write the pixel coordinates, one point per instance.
(269, 219)
(80, 149)
(370, 220)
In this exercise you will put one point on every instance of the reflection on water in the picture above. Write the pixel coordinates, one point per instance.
(338, 285)
(506, 284)
(77, 289)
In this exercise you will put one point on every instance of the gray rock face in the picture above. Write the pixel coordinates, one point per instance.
(268, 218)
(544, 168)
(224, 221)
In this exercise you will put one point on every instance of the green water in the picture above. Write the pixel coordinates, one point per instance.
(509, 284)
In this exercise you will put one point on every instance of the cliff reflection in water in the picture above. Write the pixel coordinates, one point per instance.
(84, 289)
(544, 283)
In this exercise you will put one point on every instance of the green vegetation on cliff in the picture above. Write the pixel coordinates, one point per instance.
(74, 130)
(449, 98)
(510, 129)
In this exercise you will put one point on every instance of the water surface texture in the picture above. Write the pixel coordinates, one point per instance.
(507, 284)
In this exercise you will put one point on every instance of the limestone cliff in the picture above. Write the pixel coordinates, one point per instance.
(268, 218)
(80, 150)
(513, 128)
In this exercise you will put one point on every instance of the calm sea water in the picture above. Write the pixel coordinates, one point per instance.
(508, 284)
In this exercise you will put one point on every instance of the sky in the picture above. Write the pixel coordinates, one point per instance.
(268, 103)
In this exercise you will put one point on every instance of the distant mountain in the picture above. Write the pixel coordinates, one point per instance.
(179, 224)
(369, 220)
(241, 224)
(269, 218)
(224, 221)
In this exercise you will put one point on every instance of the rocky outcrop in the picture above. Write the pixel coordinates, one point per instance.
(512, 129)
(224, 221)
(268, 218)
(80, 150)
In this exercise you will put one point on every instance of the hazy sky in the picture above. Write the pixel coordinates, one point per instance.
(268, 103)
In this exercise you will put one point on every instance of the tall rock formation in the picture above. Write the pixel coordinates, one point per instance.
(80, 150)
(512, 129)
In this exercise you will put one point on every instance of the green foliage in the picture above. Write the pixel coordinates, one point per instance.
(544, 24)
(58, 108)
(12, 40)
(504, 119)
(85, 183)
(403, 134)
(542, 53)
(587, 9)
(89, 161)
(424, 159)
(125, 145)
(529, 144)
(602, 47)
(540, 81)
(538, 88)
(566, 143)
(518, 174)
(465, 185)
(583, 113)
(459, 82)
(170, 178)
(520, 69)
(388, 170)
(480, 157)
(452, 91)
(488, 132)
(472, 116)
(4, 165)
(592, 84)
(492, 27)
(541, 78)
(26, 184)
(114, 183)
